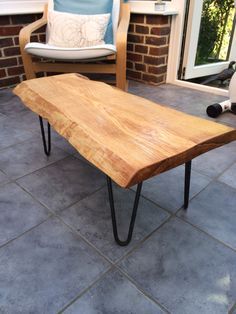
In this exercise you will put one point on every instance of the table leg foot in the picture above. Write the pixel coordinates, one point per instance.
(46, 147)
(113, 215)
(188, 167)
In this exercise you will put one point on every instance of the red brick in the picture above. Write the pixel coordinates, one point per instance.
(40, 30)
(6, 42)
(4, 20)
(157, 19)
(34, 38)
(137, 18)
(6, 62)
(140, 29)
(2, 73)
(130, 47)
(156, 41)
(12, 51)
(23, 19)
(154, 60)
(16, 41)
(130, 65)
(10, 30)
(134, 75)
(141, 49)
(158, 51)
(160, 31)
(42, 38)
(136, 39)
(134, 57)
(140, 67)
(131, 28)
(157, 70)
(153, 78)
(15, 70)
(20, 60)
(9, 81)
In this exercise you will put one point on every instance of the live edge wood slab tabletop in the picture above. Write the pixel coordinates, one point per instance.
(127, 137)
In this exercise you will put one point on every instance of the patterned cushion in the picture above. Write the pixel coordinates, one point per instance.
(85, 7)
(75, 31)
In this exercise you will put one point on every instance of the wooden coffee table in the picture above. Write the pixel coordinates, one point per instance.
(127, 137)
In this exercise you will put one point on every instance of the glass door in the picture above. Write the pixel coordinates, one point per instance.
(210, 39)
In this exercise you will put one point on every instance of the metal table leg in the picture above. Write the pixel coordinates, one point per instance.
(188, 167)
(113, 215)
(46, 147)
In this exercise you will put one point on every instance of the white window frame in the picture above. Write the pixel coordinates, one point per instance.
(175, 50)
(13, 7)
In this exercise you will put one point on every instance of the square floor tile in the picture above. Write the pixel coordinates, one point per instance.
(10, 104)
(3, 178)
(216, 161)
(185, 270)
(167, 189)
(24, 158)
(63, 183)
(114, 294)
(11, 133)
(18, 212)
(92, 218)
(45, 269)
(229, 176)
(214, 211)
(62, 143)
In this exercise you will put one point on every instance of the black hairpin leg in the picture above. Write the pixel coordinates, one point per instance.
(47, 148)
(113, 215)
(188, 166)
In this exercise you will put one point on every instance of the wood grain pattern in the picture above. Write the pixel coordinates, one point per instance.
(127, 137)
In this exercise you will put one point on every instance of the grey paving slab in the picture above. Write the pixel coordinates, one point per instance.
(114, 294)
(18, 212)
(229, 176)
(45, 269)
(214, 211)
(62, 143)
(63, 183)
(185, 270)
(11, 133)
(3, 178)
(24, 158)
(28, 120)
(167, 189)
(216, 161)
(10, 104)
(92, 218)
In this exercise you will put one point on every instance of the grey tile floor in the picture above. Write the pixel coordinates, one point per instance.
(57, 252)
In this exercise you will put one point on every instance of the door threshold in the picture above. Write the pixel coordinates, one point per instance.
(201, 88)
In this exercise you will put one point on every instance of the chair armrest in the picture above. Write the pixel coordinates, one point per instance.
(122, 31)
(25, 33)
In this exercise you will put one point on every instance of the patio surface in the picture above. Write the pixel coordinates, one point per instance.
(57, 252)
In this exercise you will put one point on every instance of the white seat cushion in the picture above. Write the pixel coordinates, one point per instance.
(69, 54)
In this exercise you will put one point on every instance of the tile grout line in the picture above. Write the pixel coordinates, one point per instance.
(136, 284)
(232, 309)
(86, 290)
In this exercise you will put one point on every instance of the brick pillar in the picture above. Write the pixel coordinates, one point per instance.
(148, 46)
(11, 68)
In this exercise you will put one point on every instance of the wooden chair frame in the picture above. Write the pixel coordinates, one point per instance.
(116, 64)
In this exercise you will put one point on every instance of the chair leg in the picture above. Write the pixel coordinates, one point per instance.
(46, 147)
(113, 215)
(188, 166)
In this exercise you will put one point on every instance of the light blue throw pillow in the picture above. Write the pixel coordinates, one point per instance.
(87, 7)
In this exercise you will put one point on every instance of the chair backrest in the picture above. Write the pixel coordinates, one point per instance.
(91, 7)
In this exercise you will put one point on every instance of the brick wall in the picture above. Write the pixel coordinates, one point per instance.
(148, 46)
(11, 68)
(148, 43)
